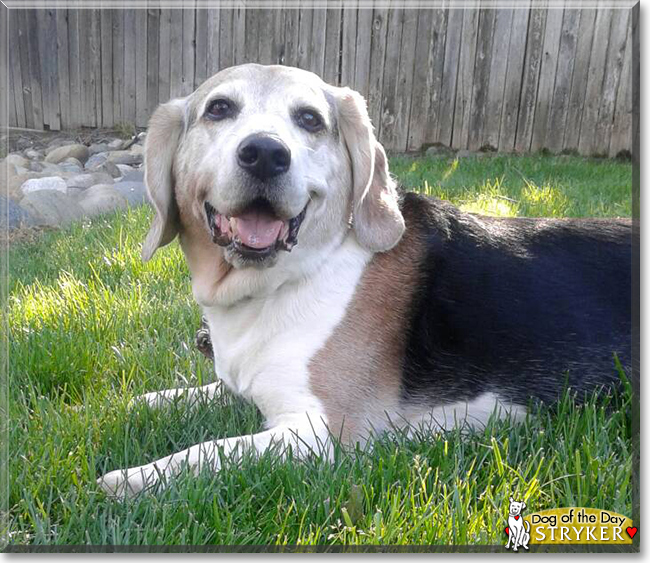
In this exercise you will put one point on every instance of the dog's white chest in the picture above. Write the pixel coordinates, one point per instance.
(263, 345)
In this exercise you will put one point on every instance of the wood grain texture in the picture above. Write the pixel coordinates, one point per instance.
(519, 78)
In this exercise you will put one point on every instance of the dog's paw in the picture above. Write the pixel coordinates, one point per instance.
(127, 483)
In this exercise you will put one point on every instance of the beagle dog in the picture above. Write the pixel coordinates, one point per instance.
(342, 307)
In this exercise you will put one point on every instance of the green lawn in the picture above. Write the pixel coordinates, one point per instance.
(91, 326)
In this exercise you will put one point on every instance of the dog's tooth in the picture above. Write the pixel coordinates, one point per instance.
(233, 225)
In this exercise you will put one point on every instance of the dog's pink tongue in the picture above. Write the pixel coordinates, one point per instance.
(257, 229)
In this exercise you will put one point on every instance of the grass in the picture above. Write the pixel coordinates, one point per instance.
(91, 326)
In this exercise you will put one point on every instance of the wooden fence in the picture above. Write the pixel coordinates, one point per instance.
(513, 79)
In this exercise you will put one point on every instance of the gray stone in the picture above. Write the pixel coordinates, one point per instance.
(49, 183)
(137, 149)
(134, 192)
(58, 142)
(33, 154)
(100, 199)
(125, 157)
(75, 192)
(59, 154)
(51, 208)
(116, 144)
(96, 148)
(96, 160)
(125, 169)
(133, 175)
(21, 170)
(70, 169)
(12, 187)
(72, 162)
(439, 151)
(86, 180)
(12, 215)
(36, 166)
(17, 160)
(109, 168)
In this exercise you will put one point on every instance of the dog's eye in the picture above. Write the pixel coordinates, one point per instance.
(309, 120)
(220, 109)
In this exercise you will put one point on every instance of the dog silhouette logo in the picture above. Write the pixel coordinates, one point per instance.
(518, 529)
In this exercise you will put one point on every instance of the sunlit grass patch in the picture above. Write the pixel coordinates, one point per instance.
(91, 326)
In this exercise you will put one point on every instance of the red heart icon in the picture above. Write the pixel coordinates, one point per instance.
(516, 517)
(631, 531)
(507, 531)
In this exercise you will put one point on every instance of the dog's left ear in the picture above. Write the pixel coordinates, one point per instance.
(377, 220)
(523, 505)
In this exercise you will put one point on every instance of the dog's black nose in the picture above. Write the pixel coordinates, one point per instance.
(263, 156)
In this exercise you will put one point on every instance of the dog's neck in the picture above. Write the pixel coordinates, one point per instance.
(239, 285)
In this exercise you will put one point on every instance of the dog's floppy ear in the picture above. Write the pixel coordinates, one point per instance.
(377, 220)
(165, 129)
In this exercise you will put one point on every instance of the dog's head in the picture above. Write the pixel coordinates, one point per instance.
(516, 508)
(260, 159)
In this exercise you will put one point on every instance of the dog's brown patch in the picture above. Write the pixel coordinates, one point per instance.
(357, 374)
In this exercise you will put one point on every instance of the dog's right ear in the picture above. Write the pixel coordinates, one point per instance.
(164, 133)
(512, 500)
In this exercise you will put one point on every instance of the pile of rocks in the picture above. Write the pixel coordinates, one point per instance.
(66, 181)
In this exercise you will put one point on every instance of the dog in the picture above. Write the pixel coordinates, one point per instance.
(518, 528)
(343, 307)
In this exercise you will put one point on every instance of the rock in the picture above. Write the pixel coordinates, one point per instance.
(124, 157)
(116, 144)
(84, 181)
(134, 192)
(52, 208)
(12, 215)
(33, 154)
(96, 160)
(125, 169)
(70, 169)
(72, 162)
(137, 149)
(7, 171)
(133, 175)
(109, 168)
(439, 151)
(102, 198)
(49, 183)
(75, 192)
(17, 160)
(36, 166)
(59, 154)
(21, 170)
(12, 187)
(96, 148)
(58, 142)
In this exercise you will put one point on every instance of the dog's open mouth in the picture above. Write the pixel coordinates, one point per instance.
(256, 232)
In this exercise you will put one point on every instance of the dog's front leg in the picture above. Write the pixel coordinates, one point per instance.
(159, 399)
(304, 437)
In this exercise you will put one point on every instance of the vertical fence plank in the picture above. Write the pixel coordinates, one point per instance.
(265, 21)
(251, 43)
(304, 39)
(51, 64)
(554, 140)
(141, 67)
(404, 85)
(514, 75)
(96, 61)
(460, 136)
(130, 77)
(386, 129)
(292, 36)
(239, 33)
(361, 81)
(118, 65)
(453, 39)
(621, 138)
(15, 66)
(106, 21)
(532, 64)
(349, 43)
(189, 51)
(153, 55)
(213, 54)
(201, 51)
(613, 69)
(318, 31)
(547, 76)
(421, 96)
(579, 79)
(176, 55)
(164, 56)
(226, 41)
(34, 67)
(377, 60)
(8, 115)
(331, 65)
(481, 77)
(277, 47)
(595, 79)
(498, 76)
